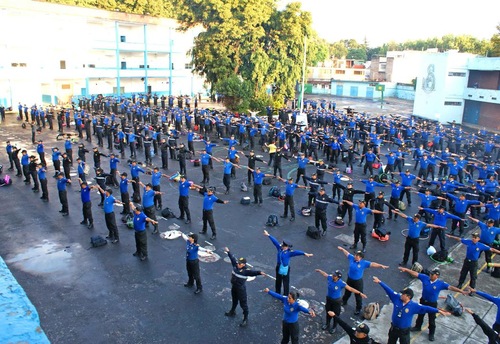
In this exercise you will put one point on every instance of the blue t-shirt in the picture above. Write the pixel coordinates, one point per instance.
(140, 222)
(148, 198)
(155, 178)
(85, 194)
(414, 228)
(430, 290)
(258, 177)
(61, 184)
(208, 201)
(124, 185)
(356, 269)
(184, 188)
(290, 311)
(290, 188)
(335, 288)
(361, 214)
(488, 234)
(109, 204)
(474, 249)
(191, 251)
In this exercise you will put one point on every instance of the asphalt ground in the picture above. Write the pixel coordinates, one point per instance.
(105, 295)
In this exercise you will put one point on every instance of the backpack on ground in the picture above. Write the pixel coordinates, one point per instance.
(7, 180)
(453, 305)
(275, 191)
(495, 272)
(267, 181)
(196, 162)
(313, 232)
(245, 200)
(339, 221)
(129, 221)
(417, 267)
(272, 220)
(371, 311)
(167, 213)
(97, 241)
(440, 256)
(243, 187)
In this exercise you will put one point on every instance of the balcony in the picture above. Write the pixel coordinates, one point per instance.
(482, 95)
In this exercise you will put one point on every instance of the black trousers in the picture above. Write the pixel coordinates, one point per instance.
(257, 193)
(239, 295)
(437, 232)
(157, 197)
(432, 316)
(334, 305)
(206, 173)
(282, 279)
(358, 285)
(226, 180)
(360, 233)
(208, 217)
(411, 244)
(141, 243)
(346, 208)
(150, 212)
(193, 271)
(126, 202)
(184, 207)
(87, 212)
(460, 224)
(395, 333)
(290, 331)
(63, 198)
(45, 190)
(111, 225)
(487, 254)
(136, 196)
(301, 172)
(34, 176)
(289, 203)
(320, 217)
(469, 266)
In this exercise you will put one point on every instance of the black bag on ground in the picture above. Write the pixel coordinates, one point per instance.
(245, 200)
(97, 241)
(495, 272)
(167, 213)
(453, 305)
(441, 256)
(272, 220)
(313, 232)
(267, 181)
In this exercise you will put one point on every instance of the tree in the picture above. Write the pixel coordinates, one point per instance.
(357, 54)
(495, 44)
(158, 8)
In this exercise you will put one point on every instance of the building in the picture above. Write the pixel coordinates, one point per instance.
(60, 52)
(320, 76)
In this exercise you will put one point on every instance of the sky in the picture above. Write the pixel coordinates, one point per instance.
(399, 20)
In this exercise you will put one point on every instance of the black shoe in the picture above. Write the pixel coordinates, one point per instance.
(325, 327)
(459, 286)
(431, 337)
(213, 237)
(115, 241)
(357, 312)
(415, 329)
(155, 231)
(230, 314)
(332, 330)
(135, 254)
(364, 250)
(353, 247)
(292, 219)
(187, 222)
(180, 218)
(324, 233)
(83, 222)
(197, 291)
(202, 232)
(36, 191)
(244, 323)
(90, 226)
(488, 269)
(187, 285)
(283, 216)
(403, 264)
(64, 214)
(108, 237)
(61, 211)
(100, 205)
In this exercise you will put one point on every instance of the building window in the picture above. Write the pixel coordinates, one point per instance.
(358, 72)
(453, 103)
(188, 66)
(339, 71)
(123, 39)
(23, 65)
(14, 64)
(66, 86)
(456, 74)
(91, 65)
(124, 64)
(62, 64)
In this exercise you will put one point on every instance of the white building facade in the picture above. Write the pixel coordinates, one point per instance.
(57, 52)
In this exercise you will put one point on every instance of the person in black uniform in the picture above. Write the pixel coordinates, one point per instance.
(66, 162)
(378, 204)
(97, 157)
(321, 201)
(181, 156)
(164, 146)
(33, 173)
(239, 277)
(252, 159)
(358, 335)
(493, 336)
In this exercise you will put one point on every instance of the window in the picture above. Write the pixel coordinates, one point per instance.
(23, 65)
(456, 74)
(358, 72)
(62, 64)
(124, 64)
(339, 71)
(123, 39)
(66, 86)
(188, 66)
(91, 65)
(14, 64)
(453, 103)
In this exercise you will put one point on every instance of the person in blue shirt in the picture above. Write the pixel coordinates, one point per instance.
(333, 303)
(357, 267)
(125, 197)
(109, 214)
(85, 191)
(291, 309)
(134, 174)
(289, 203)
(113, 166)
(192, 262)
(404, 310)
(148, 203)
(41, 152)
(416, 229)
(258, 178)
(370, 186)
(208, 213)
(239, 275)
(302, 162)
(431, 287)
(474, 249)
(406, 180)
(42, 176)
(440, 219)
(63, 194)
(205, 160)
(285, 253)
(460, 208)
(488, 235)
(141, 238)
(361, 212)
(184, 187)
(370, 159)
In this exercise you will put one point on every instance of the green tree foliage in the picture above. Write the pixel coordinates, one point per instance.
(495, 44)
(158, 8)
(237, 92)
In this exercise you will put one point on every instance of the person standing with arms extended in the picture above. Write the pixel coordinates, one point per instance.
(192, 262)
(239, 277)
(141, 238)
(291, 309)
(334, 298)
(404, 310)
(109, 214)
(285, 253)
(357, 266)
(290, 187)
(360, 222)
(63, 194)
(208, 211)
(431, 286)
